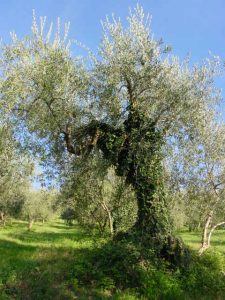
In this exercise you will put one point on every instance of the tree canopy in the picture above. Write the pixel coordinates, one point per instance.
(133, 103)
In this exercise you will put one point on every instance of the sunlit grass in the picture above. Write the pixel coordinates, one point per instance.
(42, 264)
(193, 239)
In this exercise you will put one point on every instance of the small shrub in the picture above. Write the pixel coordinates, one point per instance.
(161, 284)
(205, 277)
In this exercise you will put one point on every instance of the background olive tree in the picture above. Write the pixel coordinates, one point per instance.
(39, 205)
(15, 170)
(206, 178)
(97, 198)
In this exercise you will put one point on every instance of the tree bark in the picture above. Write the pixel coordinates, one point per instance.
(143, 162)
(205, 244)
(30, 223)
(3, 220)
(110, 218)
(135, 151)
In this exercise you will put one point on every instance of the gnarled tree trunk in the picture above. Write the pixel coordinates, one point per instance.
(140, 161)
(135, 151)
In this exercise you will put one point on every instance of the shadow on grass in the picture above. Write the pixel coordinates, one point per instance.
(74, 234)
(36, 271)
(194, 238)
(39, 272)
(64, 227)
(218, 243)
(15, 255)
(32, 272)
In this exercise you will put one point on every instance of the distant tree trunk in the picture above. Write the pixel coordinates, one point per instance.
(3, 220)
(43, 221)
(30, 223)
(110, 218)
(205, 244)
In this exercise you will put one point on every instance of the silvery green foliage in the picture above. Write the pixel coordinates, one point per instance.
(51, 93)
(91, 189)
(51, 90)
(14, 173)
(42, 84)
(134, 69)
(38, 205)
(198, 170)
(208, 169)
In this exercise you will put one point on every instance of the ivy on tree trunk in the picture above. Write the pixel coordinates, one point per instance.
(135, 151)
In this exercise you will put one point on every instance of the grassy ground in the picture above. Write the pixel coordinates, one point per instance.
(42, 264)
(193, 240)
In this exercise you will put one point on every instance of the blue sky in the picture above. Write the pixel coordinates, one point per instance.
(192, 27)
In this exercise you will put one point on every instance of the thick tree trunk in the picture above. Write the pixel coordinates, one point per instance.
(152, 216)
(135, 151)
(139, 159)
(144, 165)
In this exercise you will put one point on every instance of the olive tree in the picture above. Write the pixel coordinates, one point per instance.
(38, 205)
(97, 198)
(205, 169)
(128, 101)
(14, 172)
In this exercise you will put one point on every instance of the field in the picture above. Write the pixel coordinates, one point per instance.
(42, 264)
(192, 239)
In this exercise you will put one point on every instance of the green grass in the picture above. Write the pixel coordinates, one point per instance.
(40, 264)
(44, 263)
(193, 240)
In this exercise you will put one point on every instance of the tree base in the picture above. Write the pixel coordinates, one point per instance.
(169, 248)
